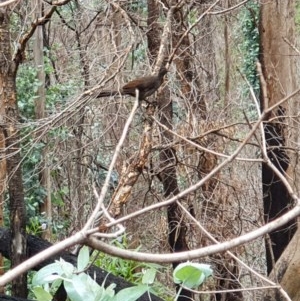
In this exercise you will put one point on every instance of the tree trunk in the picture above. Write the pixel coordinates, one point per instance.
(168, 177)
(2, 191)
(9, 117)
(277, 24)
(44, 172)
(278, 62)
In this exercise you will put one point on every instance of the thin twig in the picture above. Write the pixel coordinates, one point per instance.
(225, 11)
(190, 28)
(111, 166)
(202, 148)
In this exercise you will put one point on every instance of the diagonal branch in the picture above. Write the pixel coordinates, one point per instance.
(19, 54)
(8, 2)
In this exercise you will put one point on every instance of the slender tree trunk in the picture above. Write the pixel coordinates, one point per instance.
(44, 173)
(2, 148)
(176, 224)
(2, 191)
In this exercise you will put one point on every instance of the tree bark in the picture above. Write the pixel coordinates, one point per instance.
(44, 172)
(9, 118)
(168, 176)
(277, 24)
(2, 195)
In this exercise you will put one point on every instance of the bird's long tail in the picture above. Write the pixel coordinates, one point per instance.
(108, 93)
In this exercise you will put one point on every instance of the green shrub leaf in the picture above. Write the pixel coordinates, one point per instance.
(149, 276)
(131, 293)
(41, 294)
(191, 274)
(47, 274)
(83, 258)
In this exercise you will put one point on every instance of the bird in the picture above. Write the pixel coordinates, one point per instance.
(146, 86)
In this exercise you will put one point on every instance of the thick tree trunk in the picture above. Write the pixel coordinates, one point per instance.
(9, 117)
(286, 272)
(277, 35)
(277, 24)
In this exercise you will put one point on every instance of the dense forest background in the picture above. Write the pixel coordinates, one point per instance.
(205, 170)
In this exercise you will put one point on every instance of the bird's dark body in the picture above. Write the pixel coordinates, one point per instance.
(145, 85)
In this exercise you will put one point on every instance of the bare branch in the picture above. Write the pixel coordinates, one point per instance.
(196, 253)
(18, 56)
(8, 2)
(190, 28)
(225, 11)
(111, 167)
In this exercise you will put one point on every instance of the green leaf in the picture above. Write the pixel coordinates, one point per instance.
(53, 271)
(75, 292)
(47, 274)
(83, 258)
(109, 292)
(82, 287)
(149, 276)
(100, 296)
(191, 274)
(104, 295)
(41, 294)
(131, 293)
(68, 268)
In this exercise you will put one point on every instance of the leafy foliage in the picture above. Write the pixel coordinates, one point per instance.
(128, 269)
(132, 271)
(78, 285)
(27, 86)
(297, 16)
(250, 46)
